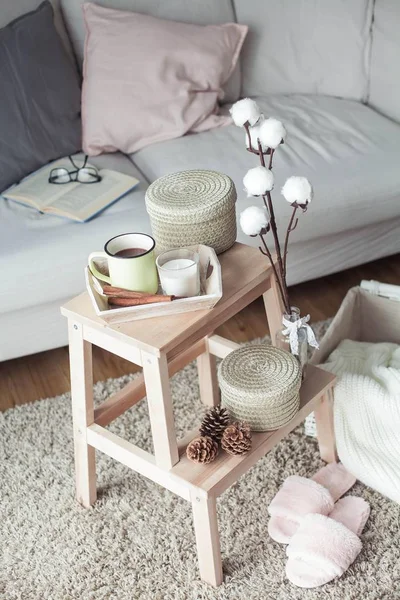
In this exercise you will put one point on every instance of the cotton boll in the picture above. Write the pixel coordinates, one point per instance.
(254, 220)
(271, 134)
(298, 190)
(254, 133)
(258, 181)
(245, 111)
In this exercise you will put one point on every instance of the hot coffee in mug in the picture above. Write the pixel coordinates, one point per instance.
(131, 262)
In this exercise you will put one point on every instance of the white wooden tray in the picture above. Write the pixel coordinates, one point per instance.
(211, 292)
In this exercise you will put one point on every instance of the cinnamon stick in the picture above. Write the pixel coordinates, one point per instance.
(117, 292)
(149, 299)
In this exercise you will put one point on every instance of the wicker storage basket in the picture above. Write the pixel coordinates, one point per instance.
(260, 385)
(192, 207)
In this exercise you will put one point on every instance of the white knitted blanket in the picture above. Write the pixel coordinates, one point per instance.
(367, 412)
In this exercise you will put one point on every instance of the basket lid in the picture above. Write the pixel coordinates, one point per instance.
(190, 196)
(259, 371)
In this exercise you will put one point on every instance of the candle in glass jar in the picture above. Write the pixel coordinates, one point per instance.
(179, 273)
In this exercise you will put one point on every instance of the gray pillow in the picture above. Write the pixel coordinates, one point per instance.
(39, 96)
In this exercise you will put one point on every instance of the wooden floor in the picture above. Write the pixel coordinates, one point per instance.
(47, 374)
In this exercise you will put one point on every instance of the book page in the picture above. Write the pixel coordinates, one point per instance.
(84, 200)
(36, 189)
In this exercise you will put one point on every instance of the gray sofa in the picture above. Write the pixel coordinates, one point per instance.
(329, 71)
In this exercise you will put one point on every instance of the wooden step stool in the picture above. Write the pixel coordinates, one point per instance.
(162, 346)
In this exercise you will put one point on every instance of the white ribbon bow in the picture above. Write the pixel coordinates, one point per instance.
(291, 331)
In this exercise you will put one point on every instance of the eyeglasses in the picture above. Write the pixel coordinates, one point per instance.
(81, 174)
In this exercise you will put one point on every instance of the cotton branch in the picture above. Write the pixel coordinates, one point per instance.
(263, 137)
(270, 207)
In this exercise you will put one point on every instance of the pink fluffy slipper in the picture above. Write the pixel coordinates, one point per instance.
(324, 547)
(300, 496)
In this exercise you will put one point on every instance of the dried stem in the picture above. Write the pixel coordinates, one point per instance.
(247, 128)
(290, 228)
(270, 158)
(250, 146)
(253, 151)
(270, 207)
(266, 207)
(267, 253)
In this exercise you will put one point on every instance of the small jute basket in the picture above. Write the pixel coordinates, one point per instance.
(260, 385)
(192, 207)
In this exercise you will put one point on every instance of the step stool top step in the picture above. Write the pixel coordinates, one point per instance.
(245, 276)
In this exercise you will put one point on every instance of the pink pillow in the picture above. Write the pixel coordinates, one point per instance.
(147, 80)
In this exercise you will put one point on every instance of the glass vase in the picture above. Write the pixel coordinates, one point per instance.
(282, 339)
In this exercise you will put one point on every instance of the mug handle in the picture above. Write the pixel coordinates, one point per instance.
(93, 269)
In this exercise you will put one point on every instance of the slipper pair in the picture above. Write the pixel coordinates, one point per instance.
(322, 532)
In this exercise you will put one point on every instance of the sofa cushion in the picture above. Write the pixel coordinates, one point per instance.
(12, 10)
(346, 149)
(40, 106)
(385, 58)
(42, 256)
(306, 47)
(156, 91)
(204, 12)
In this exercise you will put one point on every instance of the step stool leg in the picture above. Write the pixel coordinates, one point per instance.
(325, 429)
(273, 308)
(207, 539)
(80, 354)
(208, 381)
(156, 378)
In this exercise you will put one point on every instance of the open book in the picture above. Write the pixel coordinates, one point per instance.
(76, 201)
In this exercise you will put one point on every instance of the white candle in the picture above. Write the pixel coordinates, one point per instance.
(180, 277)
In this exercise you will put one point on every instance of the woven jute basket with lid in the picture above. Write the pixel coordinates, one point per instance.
(192, 207)
(260, 385)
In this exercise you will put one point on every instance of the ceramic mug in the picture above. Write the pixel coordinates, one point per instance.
(136, 273)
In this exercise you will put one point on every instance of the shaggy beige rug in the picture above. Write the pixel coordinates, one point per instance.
(137, 542)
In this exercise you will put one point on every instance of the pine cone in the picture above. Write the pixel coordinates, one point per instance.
(214, 423)
(202, 450)
(236, 438)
